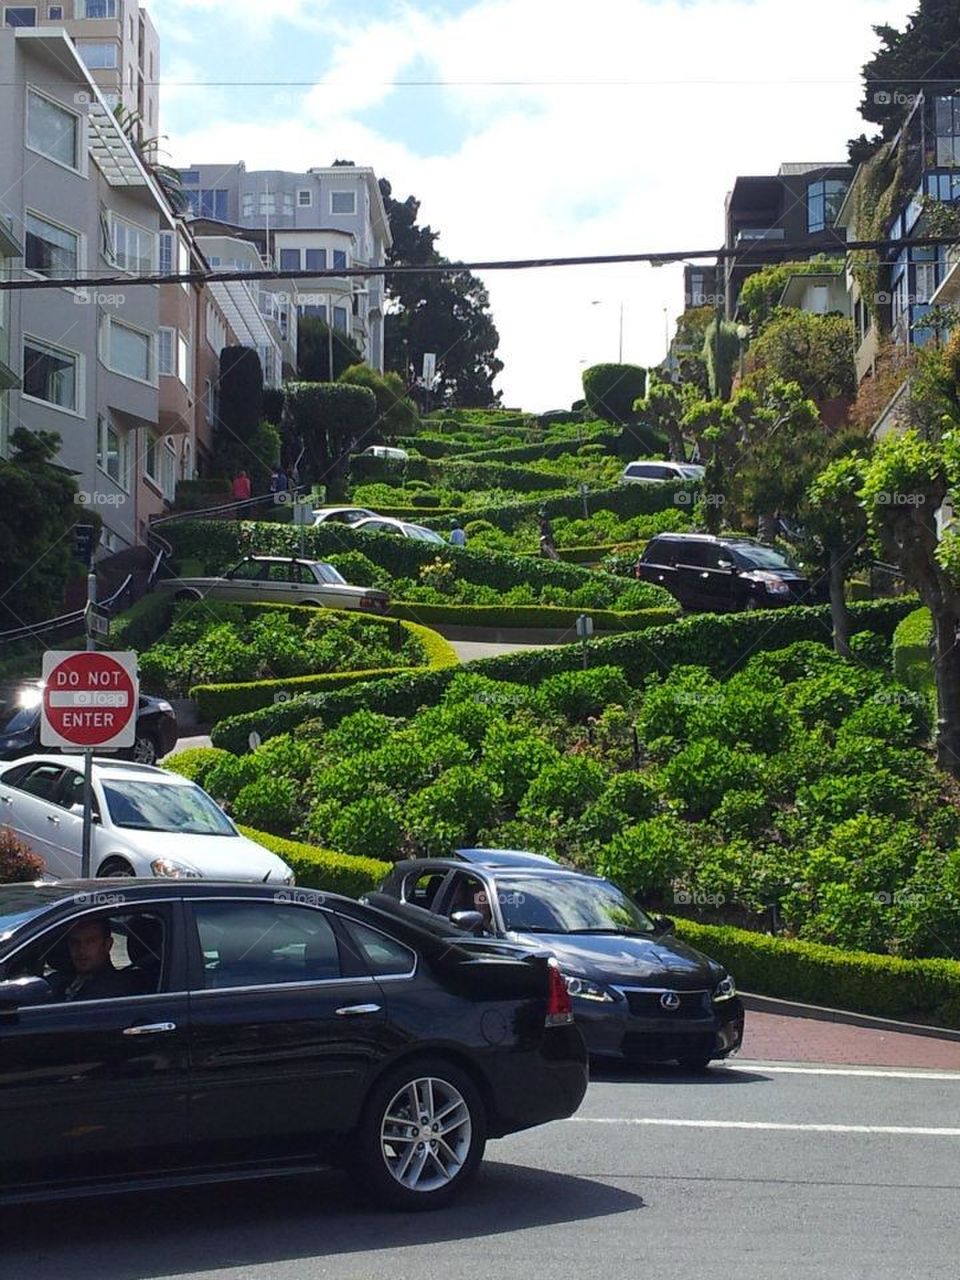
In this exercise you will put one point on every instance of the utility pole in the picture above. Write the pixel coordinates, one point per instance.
(85, 544)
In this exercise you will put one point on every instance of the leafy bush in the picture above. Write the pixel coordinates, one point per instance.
(18, 863)
(702, 772)
(229, 775)
(565, 788)
(451, 811)
(270, 803)
(612, 389)
(646, 856)
(317, 868)
(369, 828)
(513, 757)
(196, 763)
(579, 694)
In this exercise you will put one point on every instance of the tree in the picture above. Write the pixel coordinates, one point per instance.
(925, 55)
(814, 351)
(330, 418)
(835, 521)
(446, 314)
(761, 292)
(38, 507)
(396, 413)
(613, 389)
(662, 410)
(906, 484)
(242, 439)
(314, 340)
(721, 348)
(687, 348)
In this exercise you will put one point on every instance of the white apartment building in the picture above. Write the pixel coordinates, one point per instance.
(117, 42)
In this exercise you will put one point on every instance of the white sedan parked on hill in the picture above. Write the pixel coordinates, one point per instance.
(401, 528)
(147, 822)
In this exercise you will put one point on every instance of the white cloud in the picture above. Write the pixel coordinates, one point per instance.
(575, 168)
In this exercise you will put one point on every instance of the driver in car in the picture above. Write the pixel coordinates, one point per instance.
(89, 943)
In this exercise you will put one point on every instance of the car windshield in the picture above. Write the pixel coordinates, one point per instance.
(425, 535)
(759, 557)
(165, 806)
(21, 902)
(327, 573)
(18, 707)
(568, 904)
(692, 470)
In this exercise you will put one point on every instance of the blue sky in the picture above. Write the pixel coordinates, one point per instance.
(536, 169)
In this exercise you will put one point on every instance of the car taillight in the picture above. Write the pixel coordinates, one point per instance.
(559, 1004)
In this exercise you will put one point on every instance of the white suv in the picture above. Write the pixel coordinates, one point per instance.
(657, 472)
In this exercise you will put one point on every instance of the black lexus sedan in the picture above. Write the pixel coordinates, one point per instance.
(183, 1033)
(638, 992)
(156, 733)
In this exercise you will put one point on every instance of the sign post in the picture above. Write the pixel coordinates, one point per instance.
(585, 631)
(90, 703)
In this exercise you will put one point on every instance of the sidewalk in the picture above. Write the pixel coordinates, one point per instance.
(773, 1038)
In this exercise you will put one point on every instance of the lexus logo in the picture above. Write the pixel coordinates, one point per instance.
(670, 1000)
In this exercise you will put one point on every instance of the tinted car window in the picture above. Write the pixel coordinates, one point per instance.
(421, 890)
(661, 551)
(758, 557)
(248, 570)
(283, 573)
(323, 573)
(702, 555)
(261, 943)
(382, 955)
(41, 780)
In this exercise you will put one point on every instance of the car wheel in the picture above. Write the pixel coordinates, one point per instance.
(695, 1061)
(422, 1136)
(144, 749)
(116, 869)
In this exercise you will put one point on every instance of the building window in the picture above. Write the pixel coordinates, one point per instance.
(948, 131)
(248, 204)
(113, 452)
(343, 202)
(20, 15)
(132, 247)
(305, 198)
(166, 263)
(151, 462)
(340, 318)
(55, 12)
(50, 250)
(318, 311)
(96, 8)
(288, 202)
(97, 56)
(51, 374)
(268, 202)
(166, 339)
(127, 351)
(53, 131)
(190, 177)
(316, 259)
(209, 203)
(339, 260)
(289, 259)
(824, 201)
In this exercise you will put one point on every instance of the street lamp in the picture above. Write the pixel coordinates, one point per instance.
(597, 302)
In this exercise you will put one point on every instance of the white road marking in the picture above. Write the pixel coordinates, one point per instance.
(882, 1073)
(652, 1121)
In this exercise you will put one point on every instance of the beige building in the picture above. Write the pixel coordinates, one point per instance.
(117, 42)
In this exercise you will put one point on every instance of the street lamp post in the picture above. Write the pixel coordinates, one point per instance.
(598, 302)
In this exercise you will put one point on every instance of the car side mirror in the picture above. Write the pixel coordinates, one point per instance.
(468, 921)
(77, 811)
(21, 993)
(724, 564)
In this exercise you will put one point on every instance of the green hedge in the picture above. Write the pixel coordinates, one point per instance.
(622, 499)
(216, 702)
(719, 642)
(317, 868)
(217, 544)
(548, 450)
(858, 981)
(542, 617)
(142, 624)
(913, 659)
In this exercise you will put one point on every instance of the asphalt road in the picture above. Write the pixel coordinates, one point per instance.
(751, 1172)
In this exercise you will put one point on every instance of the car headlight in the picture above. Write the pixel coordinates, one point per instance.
(726, 989)
(582, 989)
(164, 706)
(168, 870)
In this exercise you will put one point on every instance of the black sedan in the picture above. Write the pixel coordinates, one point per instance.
(157, 729)
(184, 1033)
(638, 991)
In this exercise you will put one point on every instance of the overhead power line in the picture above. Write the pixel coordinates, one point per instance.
(751, 252)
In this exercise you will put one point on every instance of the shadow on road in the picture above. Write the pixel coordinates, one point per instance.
(610, 1072)
(257, 1224)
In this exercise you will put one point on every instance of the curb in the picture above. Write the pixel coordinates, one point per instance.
(792, 1009)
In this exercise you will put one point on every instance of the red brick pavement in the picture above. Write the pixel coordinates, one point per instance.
(771, 1038)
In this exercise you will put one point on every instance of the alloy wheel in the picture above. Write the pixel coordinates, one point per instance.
(425, 1134)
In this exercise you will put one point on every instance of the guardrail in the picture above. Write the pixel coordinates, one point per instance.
(233, 508)
(66, 622)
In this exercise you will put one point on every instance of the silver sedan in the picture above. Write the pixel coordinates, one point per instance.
(279, 580)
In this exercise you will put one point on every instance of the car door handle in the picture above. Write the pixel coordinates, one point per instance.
(150, 1029)
(52, 817)
(357, 1010)
(6, 800)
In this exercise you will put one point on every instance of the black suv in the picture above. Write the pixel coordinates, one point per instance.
(722, 574)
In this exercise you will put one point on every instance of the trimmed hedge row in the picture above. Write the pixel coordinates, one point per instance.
(142, 624)
(545, 617)
(317, 868)
(859, 981)
(218, 543)
(216, 702)
(622, 500)
(718, 642)
(548, 450)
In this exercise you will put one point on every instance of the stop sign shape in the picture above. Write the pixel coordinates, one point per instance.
(89, 700)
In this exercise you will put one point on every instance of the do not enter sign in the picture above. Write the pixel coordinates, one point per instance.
(89, 700)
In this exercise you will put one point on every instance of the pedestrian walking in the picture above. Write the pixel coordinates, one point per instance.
(458, 537)
(241, 491)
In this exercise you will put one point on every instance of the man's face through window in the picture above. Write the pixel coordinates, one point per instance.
(89, 944)
(481, 903)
